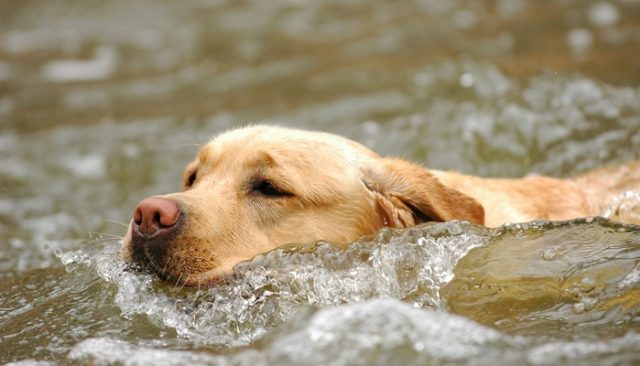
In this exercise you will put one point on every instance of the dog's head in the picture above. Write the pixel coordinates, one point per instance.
(253, 189)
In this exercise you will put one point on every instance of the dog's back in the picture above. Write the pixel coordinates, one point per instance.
(539, 197)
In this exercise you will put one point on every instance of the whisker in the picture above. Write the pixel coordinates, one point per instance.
(192, 144)
(109, 235)
(178, 281)
(164, 268)
(163, 271)
(126, 225)
(102, 241)
(98, 239)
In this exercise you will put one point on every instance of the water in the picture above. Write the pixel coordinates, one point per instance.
(501, 88)
(452, 292)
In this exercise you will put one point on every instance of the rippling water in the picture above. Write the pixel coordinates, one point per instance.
(541, 293)
(102, 104)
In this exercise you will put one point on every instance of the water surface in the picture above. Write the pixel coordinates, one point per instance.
(103, 103)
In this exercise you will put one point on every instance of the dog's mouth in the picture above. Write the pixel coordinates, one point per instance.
(168, 274)
(144, 258)
(174, 269)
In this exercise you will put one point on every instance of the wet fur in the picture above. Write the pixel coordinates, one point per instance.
(337, 190)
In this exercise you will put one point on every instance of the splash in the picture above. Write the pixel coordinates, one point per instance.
(411, 265)
(625, 205)
(377, 331)
(440, 293)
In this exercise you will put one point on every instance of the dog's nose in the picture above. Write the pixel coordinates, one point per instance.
(155, 215)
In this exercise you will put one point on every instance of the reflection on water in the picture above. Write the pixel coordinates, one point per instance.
(565, 278)
(102, 103)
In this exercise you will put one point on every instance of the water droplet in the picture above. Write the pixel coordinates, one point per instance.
(603, 14)
(579, 41)
(549, 254)
(466, 80)
(587, 285)
(589, 303)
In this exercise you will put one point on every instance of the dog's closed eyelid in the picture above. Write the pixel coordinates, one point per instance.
(191, 179)
(268, 188)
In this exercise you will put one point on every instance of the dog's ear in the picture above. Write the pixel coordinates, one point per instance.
(407, 194)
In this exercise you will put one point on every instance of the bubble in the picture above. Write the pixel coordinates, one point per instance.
(589, 303)
(603, 14)
(579, 40)
(549, 254)
(466, 80)
(587, 285)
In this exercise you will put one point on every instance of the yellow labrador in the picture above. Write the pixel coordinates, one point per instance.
(253, 189)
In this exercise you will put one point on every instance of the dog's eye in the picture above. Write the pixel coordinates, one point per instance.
(266, 188)
(191, 179)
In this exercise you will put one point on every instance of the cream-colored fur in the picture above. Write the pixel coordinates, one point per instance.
(337, 190)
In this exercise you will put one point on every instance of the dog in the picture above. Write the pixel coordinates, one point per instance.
(253, 189)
